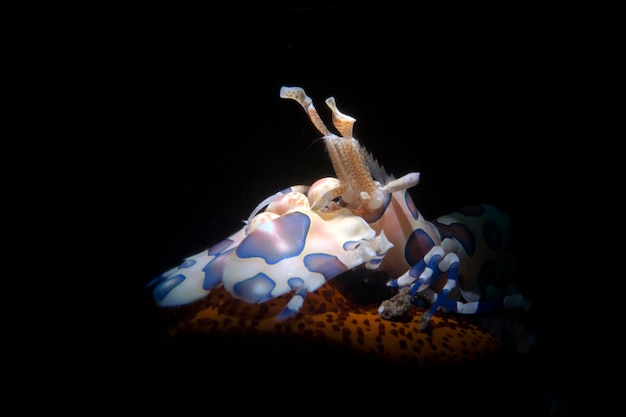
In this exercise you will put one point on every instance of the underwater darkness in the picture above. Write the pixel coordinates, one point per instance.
(182, 132)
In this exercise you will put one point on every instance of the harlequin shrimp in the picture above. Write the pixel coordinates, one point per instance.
(298, 239)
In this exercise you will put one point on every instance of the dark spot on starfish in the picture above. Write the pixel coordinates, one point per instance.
(360, 337)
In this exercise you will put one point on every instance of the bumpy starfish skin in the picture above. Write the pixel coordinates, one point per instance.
(328, 316)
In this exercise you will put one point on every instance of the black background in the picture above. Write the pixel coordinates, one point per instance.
(170, 130)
